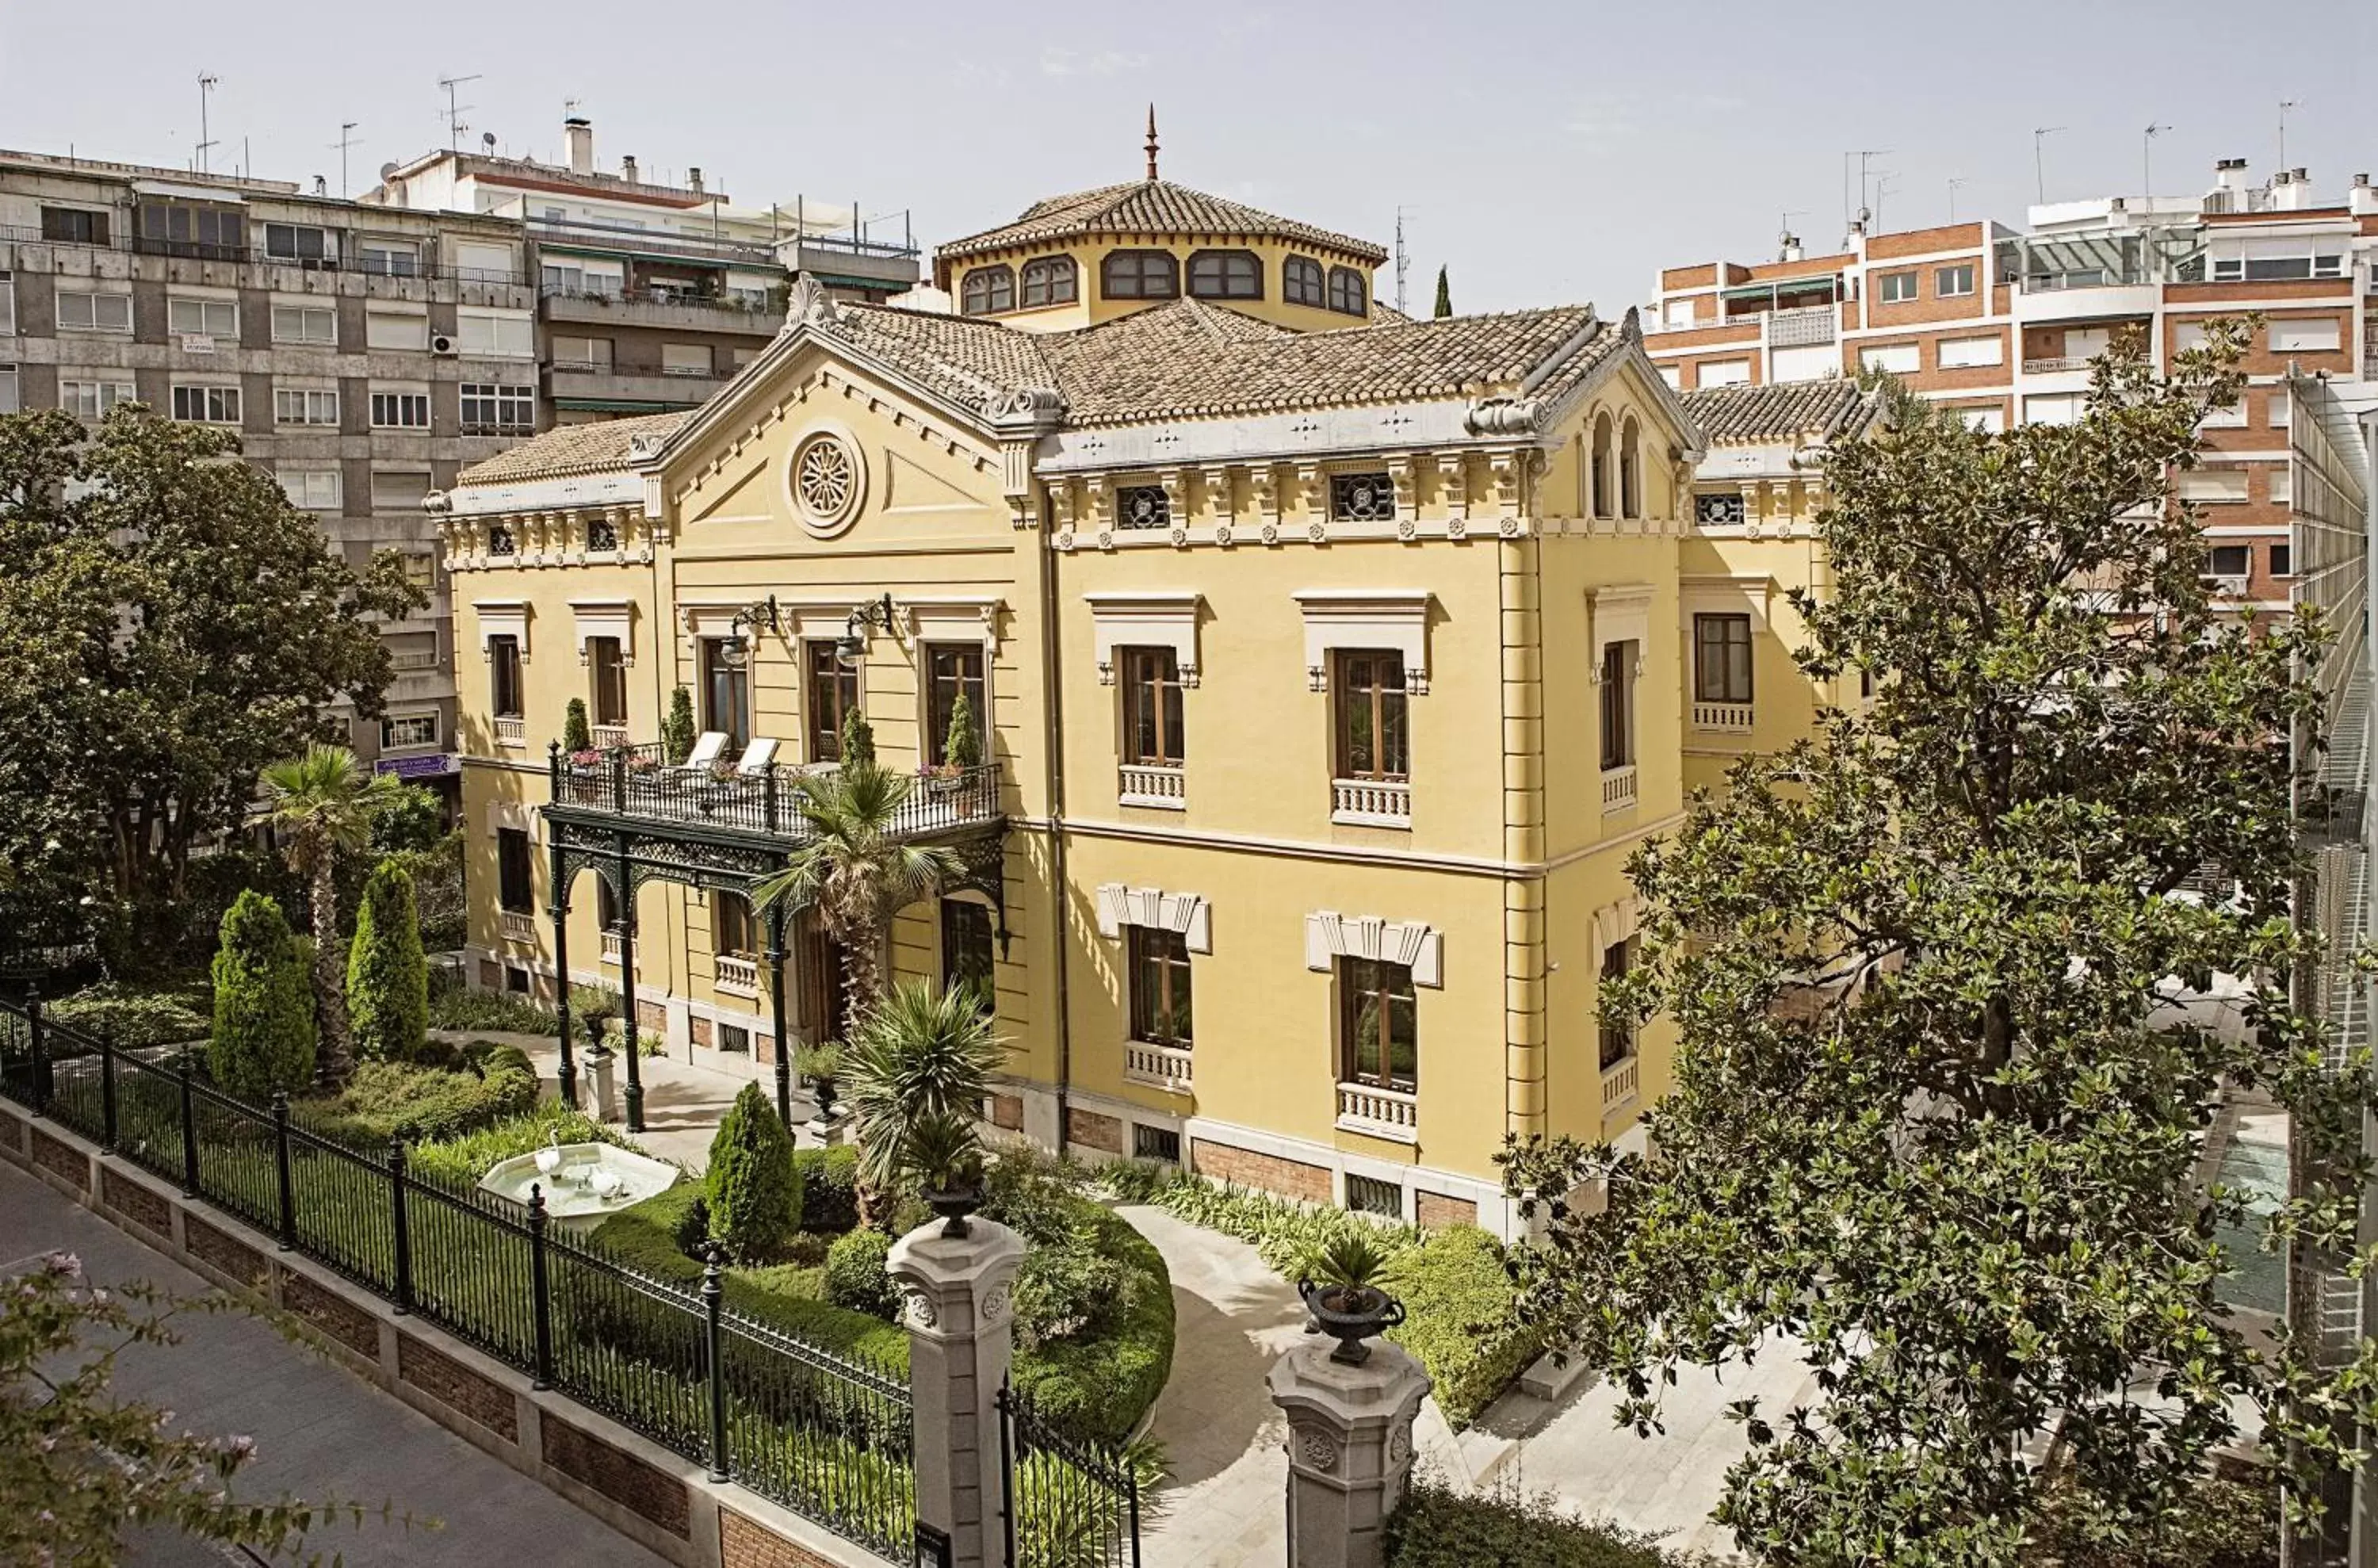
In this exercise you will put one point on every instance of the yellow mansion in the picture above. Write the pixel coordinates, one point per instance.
(1328, 667)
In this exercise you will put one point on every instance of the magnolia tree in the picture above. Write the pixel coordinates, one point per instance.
(1934, 1130)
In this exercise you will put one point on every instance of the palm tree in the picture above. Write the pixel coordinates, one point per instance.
(855, 871)
(324, 801)
(923, 1058)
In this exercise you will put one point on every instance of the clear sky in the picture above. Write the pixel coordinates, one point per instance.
(1544, 151)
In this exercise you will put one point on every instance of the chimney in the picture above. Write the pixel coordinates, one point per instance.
(1790, 250)
(2362, 200)
(2291, 190)
(628, 169)
(693, 180)
(578, 136)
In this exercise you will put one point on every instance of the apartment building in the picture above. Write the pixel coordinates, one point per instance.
(364, 355)
(2001, 324)
(1325, 681)
(650, 294)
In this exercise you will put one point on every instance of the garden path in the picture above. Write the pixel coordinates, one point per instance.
(319, 1431)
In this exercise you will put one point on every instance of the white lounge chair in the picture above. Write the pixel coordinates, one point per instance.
(707, 748)
(756, 758)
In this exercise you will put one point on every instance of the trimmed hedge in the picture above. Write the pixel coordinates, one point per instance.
(136, 1015)
(753, 1187)
(459, 1161)
(263, 1032)
(1100, 1387)
(499, 1012)
(1458, 1306)
(855, 1279)
(1436, 1527)
(388, 979)
(644, 1237)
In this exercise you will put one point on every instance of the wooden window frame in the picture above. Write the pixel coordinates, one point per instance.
(1379, 698)
(957, 913)
(1346, 283)
(1617, 716)
(1160, 983)
(831, 690)
(1140, 263)
(505, 678)
(606, 681)
(1384, 985)
(1054, 279)
(1231, 274)
(1152, 677)
(1614, 1043)
(938, 707)
(1718, 684)
(512, 863)
(987, 291)
(731, 915)
(1304, 281)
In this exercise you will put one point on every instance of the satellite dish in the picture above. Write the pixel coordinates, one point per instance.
(387, 172)
(487, 140)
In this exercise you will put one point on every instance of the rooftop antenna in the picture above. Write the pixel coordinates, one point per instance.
(206, 142)
(2038, 158)
(1954, 181)
(454, 126)
(1151, 144)
(2285, 104)
(1883, 184)
(1866, 155)
(1785, 238)
(2146, 161)
(346, 139)
(1403, 261)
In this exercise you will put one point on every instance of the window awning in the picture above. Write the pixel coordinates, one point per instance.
(187, 193)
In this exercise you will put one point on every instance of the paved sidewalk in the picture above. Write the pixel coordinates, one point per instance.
(319, 1429)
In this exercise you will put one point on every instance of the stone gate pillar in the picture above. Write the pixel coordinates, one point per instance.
(1350, 1450)
(959, 1293)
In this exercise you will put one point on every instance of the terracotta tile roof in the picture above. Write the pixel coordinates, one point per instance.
(1821, 410)
(571, 449)
(1149, 207)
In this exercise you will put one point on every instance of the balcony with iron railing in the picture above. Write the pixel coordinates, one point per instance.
(1391, 1113)
(1158, 1067)
(689, 310)
(350, 259)
(639, 783)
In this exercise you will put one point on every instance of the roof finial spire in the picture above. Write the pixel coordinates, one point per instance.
(1151, 144)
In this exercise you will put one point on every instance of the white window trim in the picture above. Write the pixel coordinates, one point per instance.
(1187, 915)
(604, 618)
(1365, 617)
(1996, 355)
(502, 618)
(1329, 936)
(1724, 594)
(1145, 620)
(955, 619)
(1620, 613)
(410, 747)
(1614, 923)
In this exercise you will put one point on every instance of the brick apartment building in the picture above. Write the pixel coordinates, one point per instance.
(2000, 324)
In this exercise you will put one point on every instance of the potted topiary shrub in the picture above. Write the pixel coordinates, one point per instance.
(943, 1153)
(1343, 1283)
(961, 749)
(857, 740)
(676, 730)
(821, 1064)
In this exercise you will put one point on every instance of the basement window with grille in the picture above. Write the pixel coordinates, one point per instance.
(1158, 1143)
(1368, 1195)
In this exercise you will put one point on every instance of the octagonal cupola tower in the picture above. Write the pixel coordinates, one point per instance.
(1075, 261)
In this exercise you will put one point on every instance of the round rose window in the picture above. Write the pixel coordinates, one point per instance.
(826, 481)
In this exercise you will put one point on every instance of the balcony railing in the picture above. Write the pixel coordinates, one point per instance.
(519, 925)
(414, 658)
(512, 732)
(1378, 1113)
(1803, 326)
(606, 736)
(690, 371)
(2055, 363)
(1618, 787)
(1620, 1084)
(1159, 1067)
(738, 972)
(637, 781)
(1371, 803)
(1733, 718)
(1149, 784)
(611, 945)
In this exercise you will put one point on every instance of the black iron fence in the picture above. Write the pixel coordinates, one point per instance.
(639, 780)
(826, 1435)
(1068, 1504)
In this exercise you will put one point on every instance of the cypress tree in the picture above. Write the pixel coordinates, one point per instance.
(857, 739)
(388, 979)
(677, 730)
(962, 747)
(575, 735)
(753, 1187)
(263, 1036)
(1444, 296)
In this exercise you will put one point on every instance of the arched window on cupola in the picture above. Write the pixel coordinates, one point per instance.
(1630, 469)
(1600, 475)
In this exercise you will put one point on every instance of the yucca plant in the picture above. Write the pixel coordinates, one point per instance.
(1349, 1263)
(926, 1053)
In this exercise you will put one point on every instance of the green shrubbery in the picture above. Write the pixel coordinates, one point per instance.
(136, 1015)
(753, 1189)
(388, 979)
(1457, 1297)
(418, 1103)
(263, 1032)
(503, 1012)
(829, 1188)
(1436, 1527)
(459, 1161)
(855, 1279)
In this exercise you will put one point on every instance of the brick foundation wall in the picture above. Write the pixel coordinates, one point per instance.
(61, 1159)
(222, 1253)
(651, 1017)
(491, 975)
(339, 1319)
(624, 1478)
(136, 1203)
(743, 1544)
(1289, 1178)
(1435, 1208)
(1007, 1112)
(12, 1134)
(704, 1032)
(457, 1387)
(1092, 1130)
